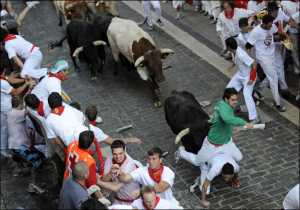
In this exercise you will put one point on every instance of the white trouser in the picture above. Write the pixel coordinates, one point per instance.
(147, 10)
(238, 82)
(209, 150)
(4, 131)
(32, 65)
(295, 52)
(192, 159)
(268, 66)
(215, 12)
(205, 6)
(279, 66)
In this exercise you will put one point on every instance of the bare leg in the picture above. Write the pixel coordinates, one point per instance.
(8, 7)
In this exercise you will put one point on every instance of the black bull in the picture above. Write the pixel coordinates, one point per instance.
(82, 34)
(182, 111)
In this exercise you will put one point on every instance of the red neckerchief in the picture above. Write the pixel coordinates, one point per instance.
(40, 109)
(3, 78)
(55, 75)
(58, 110)
(229, 15)
(9, 37)
(157, 199)
(120, 164)
(155, 174)
(93, 122)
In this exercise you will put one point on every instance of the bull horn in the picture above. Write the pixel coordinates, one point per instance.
(99, 42)
(166, 50)
(77, 51)
(139, 61)
(181, 134)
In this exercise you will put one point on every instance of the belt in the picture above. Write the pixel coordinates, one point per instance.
(40, 79)
(32, 48)
(124, 200)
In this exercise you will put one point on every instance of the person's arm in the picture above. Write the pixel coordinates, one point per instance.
(112, 186)
(13, 78)
(203, 201)
(124, 177)
(19, 90)
(227, 116)
(18, 61)
(161, 186)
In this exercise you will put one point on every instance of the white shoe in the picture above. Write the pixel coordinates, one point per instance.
(99, 119)
(31, 4)
(6, 154)
(104, 201)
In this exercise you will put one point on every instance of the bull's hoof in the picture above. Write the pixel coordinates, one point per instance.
(93, 78)
(157, 104)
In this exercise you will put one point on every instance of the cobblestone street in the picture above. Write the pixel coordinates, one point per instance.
(269, 169)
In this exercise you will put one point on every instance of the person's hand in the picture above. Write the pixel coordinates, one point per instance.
(115, 170)
(135, 194)
(250, 82)
(204, 203)
(249, 125)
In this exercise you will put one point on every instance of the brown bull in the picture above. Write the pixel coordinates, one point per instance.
(71, 9)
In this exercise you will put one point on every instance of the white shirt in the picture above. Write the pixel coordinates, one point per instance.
(262, 40)
(230, 27)
(98, 133)
(65, 126)
(6, 89)
(3, 13)
(119, 206)
(281, 18)
(128, 166)
(162, 204)
(243, 62)
(216, 164)
(17, 135)
(47, 86)
(141, 175)
(256, 7)
(242, 39)
(289, 7)
(19, 46)
(291, 200)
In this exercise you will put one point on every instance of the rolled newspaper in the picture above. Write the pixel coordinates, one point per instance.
(256, 126)
(123, 128)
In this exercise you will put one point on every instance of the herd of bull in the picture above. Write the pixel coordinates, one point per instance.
(135, 49)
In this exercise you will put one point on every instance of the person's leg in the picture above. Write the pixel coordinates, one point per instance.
(295, 52)
(147, 12)
(231, 149)
(22, 15)
(4, 134)
(235, 83)
(279, 66)
(188, 156)
(32, 66)
(206, 152)
(157, 9)
(248, 91)
(267, 64)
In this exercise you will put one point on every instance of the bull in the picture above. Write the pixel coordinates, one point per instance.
(107, 6)
(130, 43)
(86, 43)
(187, 120)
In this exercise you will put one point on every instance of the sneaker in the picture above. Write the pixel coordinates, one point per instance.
(104, 201)
(255, 121)
(143, 22)
(280, 108)
(31, 4)
(99, 120)
(160, 23)
(150, 28)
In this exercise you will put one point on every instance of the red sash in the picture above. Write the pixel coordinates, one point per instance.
(157, 199)
(93, 122)
(9, 37)
(40, 109)
(58, 76)
(155, 174)
(58, 111)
